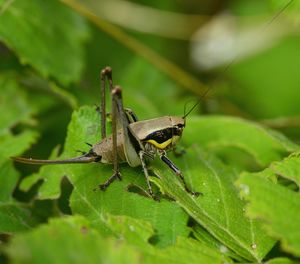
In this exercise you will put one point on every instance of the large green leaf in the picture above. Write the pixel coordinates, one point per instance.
(219, 210)
(263, 144)
(72, 239)
(46, 35)
(138, 233)
(168, 218)
(69, 240)
(213, 211)
(276, 205)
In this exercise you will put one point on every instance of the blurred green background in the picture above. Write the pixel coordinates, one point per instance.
(163, 53)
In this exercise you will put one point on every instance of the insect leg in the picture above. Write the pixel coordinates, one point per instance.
(142, 158)
(173, 167)
(106, 73)
(115, 96)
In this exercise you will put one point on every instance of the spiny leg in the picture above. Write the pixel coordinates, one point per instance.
(106, 74)
(142, 158)
(173, 167)
(115, 97)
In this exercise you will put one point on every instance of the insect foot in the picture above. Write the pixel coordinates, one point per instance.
(103, 186)
(196, 194)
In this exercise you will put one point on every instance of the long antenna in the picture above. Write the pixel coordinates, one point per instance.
(202, 96)
(278, 14)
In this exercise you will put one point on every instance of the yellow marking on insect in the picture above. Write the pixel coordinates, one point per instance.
(162, 145)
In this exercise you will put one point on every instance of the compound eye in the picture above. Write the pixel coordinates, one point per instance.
(179, 130)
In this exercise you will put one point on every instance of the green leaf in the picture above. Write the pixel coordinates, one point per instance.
(263, 144)
(168, 218)
(138, 233)
(8, 180)
(207, 239)
(13, 145)
(14, 102)
(47, 36)
(276, 205)
(51, 175)
(73, 239)
(219, 210)
(189, 251)
(15, 108)
(15, 217)
(280, 261)
(288, 168)
(213, 211)
(68, 240)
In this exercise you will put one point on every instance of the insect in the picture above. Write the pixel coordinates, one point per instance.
(131, 141)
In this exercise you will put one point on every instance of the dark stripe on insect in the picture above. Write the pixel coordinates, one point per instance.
(131, 116)
(163, 135)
